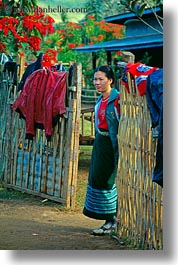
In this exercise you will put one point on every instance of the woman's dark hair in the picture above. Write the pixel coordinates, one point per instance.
(107, 70)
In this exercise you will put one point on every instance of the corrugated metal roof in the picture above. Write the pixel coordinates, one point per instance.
(129, 43)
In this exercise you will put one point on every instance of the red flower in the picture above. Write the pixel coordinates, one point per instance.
(80, 45)
(119, 53)
(40, 22)
(34, 43)
(91, 17)
(61, 31)
(100, 37)
(21, 54)
(49, 58)
(71, 45)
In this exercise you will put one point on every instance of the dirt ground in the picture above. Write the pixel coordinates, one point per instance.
(30, 223)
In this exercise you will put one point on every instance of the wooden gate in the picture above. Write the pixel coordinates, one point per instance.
(42, 168)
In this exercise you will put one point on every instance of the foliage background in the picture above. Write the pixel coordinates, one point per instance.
(26, 30)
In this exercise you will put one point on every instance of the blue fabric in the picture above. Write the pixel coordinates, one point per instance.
(157, 176)
(112, 120)
(30, 69)
(59, 67)
(11, 68)
(154, 94)
(101, 204)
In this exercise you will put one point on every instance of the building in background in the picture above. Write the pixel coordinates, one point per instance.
(143, 37)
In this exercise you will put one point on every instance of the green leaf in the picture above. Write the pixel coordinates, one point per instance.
(134, 6)
(125, 2)
(34, 2)
(24, 45)
(141, 9)
(36, 33)
(131, 20)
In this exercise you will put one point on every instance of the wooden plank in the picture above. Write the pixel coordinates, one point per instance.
(36, 193)
(86, 140)
(42, 172)
(61, 154)
(9, 145)
(78, 84)
(22, 146)
(26, 174)
(69, 153)
(55, 145)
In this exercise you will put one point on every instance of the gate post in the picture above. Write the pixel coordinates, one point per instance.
(73, 132)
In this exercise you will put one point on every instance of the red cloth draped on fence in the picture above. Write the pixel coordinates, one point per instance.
(42, 101)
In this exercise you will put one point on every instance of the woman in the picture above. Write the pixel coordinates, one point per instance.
(101, 195)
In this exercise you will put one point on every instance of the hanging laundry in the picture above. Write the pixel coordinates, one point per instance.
(11, 69)
(42, 101)
(58, 68)
(140, 72)
(30, 69)
(154, 95)
(157, 175)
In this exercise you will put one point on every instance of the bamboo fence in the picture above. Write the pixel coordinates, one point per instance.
(140, 201)
(3, 115)
(8, 93)
(43, 168)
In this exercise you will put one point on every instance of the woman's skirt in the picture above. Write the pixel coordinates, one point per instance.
(101, 195)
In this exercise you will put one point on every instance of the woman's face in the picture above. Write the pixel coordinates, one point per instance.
(101, 82)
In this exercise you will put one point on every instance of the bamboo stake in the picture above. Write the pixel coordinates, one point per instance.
(29, 145)
(22, 152)
(61, 155)
(55, 145)
(78, 84)
(16, 150)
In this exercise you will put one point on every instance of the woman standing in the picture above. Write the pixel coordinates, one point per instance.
(101, 195)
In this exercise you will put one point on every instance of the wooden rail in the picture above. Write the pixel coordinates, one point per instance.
(87, 114)
(89, 96)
